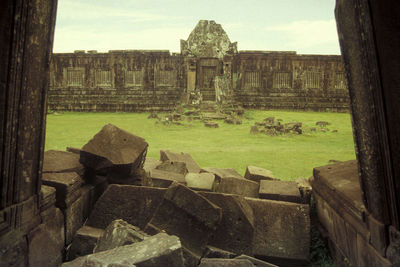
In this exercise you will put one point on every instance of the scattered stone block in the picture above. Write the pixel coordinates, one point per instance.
(114, 150)
(119, 233)
(213, 252)
(256, 262)
(150, 164)
(159, 250)
(238, 186)
(173, 166)
(305, 189)
(222, 172)
(40, 240)
(269, 120)
(191, 165)
(236, 229)
(61, 161)
(280, 190)
(164, 179)
(73, 150)
(133, 204)
(210, 262)
(211, 124)
(84, 242)
(257, 174)
(254, 130)
(47, 197)
(322, 123)
(188, 215)
(281, 232)
(200, 181)
(74, 218)
(53, 219)
(66, 185)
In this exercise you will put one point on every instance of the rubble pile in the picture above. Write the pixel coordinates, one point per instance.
(110, 205)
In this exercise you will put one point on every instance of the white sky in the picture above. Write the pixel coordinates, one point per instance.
(305, 26)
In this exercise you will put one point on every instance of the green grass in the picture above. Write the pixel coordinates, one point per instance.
(229, 146)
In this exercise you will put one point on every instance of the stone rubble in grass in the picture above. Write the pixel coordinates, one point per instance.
(109, 202)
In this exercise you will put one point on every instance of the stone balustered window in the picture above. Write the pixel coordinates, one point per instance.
(165, 77)
(134, 77)
(252, 79)
(75, 76)
(340, 80)
(313, 80)
(282, 80)
(103, 78)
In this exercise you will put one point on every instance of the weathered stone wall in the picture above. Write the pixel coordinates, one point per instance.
(116, 81)
(156, 80)
(285, 80)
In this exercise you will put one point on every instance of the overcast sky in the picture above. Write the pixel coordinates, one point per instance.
(305, 26)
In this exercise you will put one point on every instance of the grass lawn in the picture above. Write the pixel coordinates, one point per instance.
(229, 146)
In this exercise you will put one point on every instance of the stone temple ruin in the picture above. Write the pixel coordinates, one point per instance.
(208, 67)
(45, 196)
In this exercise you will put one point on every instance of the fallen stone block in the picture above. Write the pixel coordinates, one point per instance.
(159, 250)
(47, 197)
(119, 233)
(200, 181)
(84, 242)
(67, 186)
(257, 174)
(305, 189)
(173, 166)
(256, 262)
(74, 218)
(213, 252)
(281, 232)
(210, 262)
(150, 164)
(164, 179)
(222, 173)
(191, 165)
(73, 150)
(280, 190)
(114, 150)
(40, 240)
(61, 161)
(236, 229)
(53, 220)
(133, 204)
(188, 215)
(238, 186)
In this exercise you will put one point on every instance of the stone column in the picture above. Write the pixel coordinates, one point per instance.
(369, 35)
(26, 38)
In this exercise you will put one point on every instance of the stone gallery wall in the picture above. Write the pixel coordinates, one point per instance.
(285, 80)
(116, 81)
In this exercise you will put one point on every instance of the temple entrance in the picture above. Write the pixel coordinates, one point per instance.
(206, 78)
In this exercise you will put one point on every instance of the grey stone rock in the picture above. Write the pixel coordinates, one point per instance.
(239, 186)
(47, 197)
(164, 179)
(159, 250)
(256, 262)
(210, 262)
(280, 190)
(61, 161)
(114, 150)
(254, 130)
(235, 232)
(150, 164)
(133, 204)
(222, 172)
(119, 233)
(173, 166)
(282, 232)
(84, 242)
(191, 165)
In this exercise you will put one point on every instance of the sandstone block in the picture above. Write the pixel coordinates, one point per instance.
(47, 197)
(150, 163)
(74, 218)
(282, 232)
(67, 186)
(235, 232)
(133, 204)
(53, 220)
(256, 262)
(191, 165)
(200, 181)
(305, 189)
(84, 242)
(239, 186)
(256, 174)
(114, 150)
(61, 161)
(280, 190)
(119, 233)
(213, 252)
(188, 215)
(222, 173)
(173, 166)
(159, 250)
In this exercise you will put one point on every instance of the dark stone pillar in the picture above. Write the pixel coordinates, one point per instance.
(26, 38)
